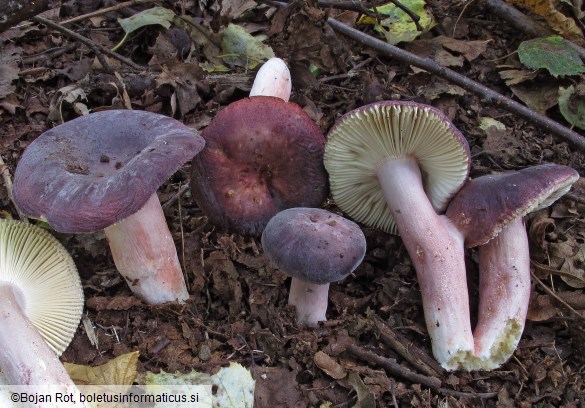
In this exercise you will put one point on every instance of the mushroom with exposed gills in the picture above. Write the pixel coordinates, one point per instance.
(315, 247)
(101, 171)
(263, 154)
(41, 302)
(489, 211)
(395, 165)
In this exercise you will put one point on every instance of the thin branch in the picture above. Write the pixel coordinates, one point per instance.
(103, 11)
(554, 295)
(415, 356)
(488, 95)
(8, 185)
(394, 368)
(97, 48)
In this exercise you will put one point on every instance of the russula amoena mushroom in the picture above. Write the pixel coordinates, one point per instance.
(395, 165)
(101, 171)
(489, 211)
(315, 247)
(41, 302)
(263, 154)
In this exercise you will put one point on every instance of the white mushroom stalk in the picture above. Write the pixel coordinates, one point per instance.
(438, 258)
(145, 255)
(41, 302)
(310, 301)
(504, 294)
(273, 79)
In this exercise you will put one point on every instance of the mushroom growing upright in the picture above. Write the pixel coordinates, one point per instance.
(394, 165)
(263, 154)
(315, 247)
(489, 212)
(41, 302)
(101, 171)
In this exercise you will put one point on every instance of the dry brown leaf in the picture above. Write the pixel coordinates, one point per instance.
(562, 24)
(329, 366)
(541, 308)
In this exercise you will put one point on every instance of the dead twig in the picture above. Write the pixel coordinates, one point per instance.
(98, 49)
(554, 295)
(488, 95)
(105, 10)
(415, 356)
(8, 185)
(394, 368)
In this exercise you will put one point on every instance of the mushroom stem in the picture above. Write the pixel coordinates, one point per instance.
(25, 357)
(504, 294)
(272, 79)
(436, 250)
(145, 255)
(310, 300)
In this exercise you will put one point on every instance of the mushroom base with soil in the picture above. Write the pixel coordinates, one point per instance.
(145, 255)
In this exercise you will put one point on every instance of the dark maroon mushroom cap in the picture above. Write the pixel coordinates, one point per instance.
(262, 155)
(314, 245)
(486, 204)
(93, 171)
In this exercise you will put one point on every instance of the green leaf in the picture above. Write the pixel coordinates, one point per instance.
(243, 49)
(398, 26)
(553, 53)
(153, 16)
(572, 105)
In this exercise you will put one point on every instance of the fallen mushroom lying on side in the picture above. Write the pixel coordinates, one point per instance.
(489, 213)
(263, 154)
(315, 247)
(101, 171)
(394, 165)
(41, 302)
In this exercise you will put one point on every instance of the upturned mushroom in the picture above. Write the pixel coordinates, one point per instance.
(101, 171)
(395, 165)
(41, 302)
(263, 154)
(489, 211)
(315, 247)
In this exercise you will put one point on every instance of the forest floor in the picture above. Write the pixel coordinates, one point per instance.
(238, 306)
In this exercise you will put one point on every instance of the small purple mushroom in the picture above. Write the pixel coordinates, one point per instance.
(101, 171)
(315, 247)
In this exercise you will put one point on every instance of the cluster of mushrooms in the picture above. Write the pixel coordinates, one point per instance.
(263, 167)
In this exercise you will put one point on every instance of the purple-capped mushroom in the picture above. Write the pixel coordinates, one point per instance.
(101, 171)
(315, 247)
(488, 211)
(263, 154)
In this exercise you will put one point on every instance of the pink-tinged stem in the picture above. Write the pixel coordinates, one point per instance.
(145, 254)
(504, 294)
(25, 357)
(310, 301)
(272, 79)
(437, 252)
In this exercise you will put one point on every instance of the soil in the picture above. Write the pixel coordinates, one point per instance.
(238, 306)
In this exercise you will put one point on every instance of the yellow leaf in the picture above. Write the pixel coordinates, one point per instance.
(562, 24)
(119, 371)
